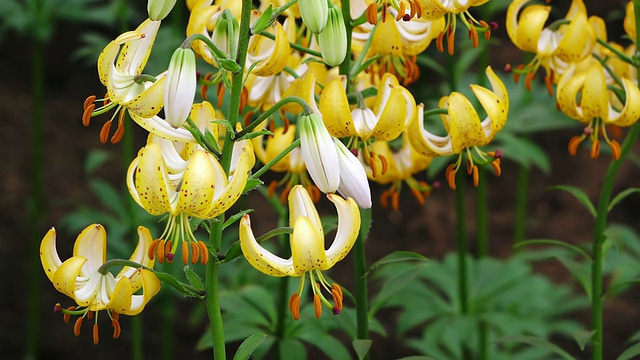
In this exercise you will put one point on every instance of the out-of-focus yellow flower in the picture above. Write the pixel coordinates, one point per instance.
(271, 56)
(399, 167)
(465, 129)
(308, 255)
(185, 181)
(86, 278)
(598, 106)
(629, 22)
(120, 67)
(557, 45)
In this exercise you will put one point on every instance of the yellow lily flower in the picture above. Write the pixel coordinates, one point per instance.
(120, 67)
(169, 177)
(629, 22)
(271, 56)
(399, 166)
(308, 255)
(555, 46)
(464, 127)
(85, 278)
(598, 106)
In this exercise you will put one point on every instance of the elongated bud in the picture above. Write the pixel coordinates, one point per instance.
(159, 9)
(314, 14)
(333, 39)
(319, 153)
(181, 86)
(353, 177)
(225, 34)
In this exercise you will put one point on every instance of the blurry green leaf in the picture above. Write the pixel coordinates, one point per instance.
(621, 196)
(417, 357)
(361, 347)
(579, 194)
(234, 252)
(248, 346)
(630, 353)
(317, 337)
(193, 278)
(393, 285)
(95, 159)
(537, 342)
(108, 196)
(521, 150)
(395, 257)
(583, 337)
(292, 349)
(581, 272)
(566, 245)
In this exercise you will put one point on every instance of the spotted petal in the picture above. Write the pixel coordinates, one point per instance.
(92, 245)
(348, 229)
(49, 255)
(259, 257)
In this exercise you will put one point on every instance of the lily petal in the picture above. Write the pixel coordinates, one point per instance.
(335, 109)
(64, 279)
(49, 255)
(300, 204)
(92, 245)
(259, 257)
(140, 254)
(307, 247)
(150, 287)
(198, 184)
(348, 229)
(120, 300)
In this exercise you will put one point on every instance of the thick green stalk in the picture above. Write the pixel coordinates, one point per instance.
(215, 237)
(36, 204)
(345, 67)
(360, 268)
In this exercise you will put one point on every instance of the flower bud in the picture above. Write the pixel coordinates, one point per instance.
(333, 39)
(353, 177)
(314, 14)
(159, 9)
(225, 34)
(319, 153)
(181, 86)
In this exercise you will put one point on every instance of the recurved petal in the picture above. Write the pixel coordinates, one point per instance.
(348, 229)
(49, 255)
(134, 54)
(150, 287)
(150, 101)
(158, 126)
(594, 100)
(423, 141)
(495, 102)
(92, 245)
(395, 108)
(261, 259)
(577, 41)
(140, 255)
(105, 61)
(525, 31)
(271, 56)
(465, 127)
(307, 247)
(120, 299)
(334, 106)
(300, 204)
(353, 178)
(198, 184)
(567, 91)
(151, 180)
(64, 279)
(630, 113)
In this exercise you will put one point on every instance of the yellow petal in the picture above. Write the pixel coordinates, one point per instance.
(304, 88)
(495, 102)
(261, 259)
(464, 124)
(335, 109)
(432, 9)
(386, 40)
(594, 99)
(134, 54)
(64, 279)
(307, 247)
(120, 300)
(525, 31)
(300, 204)
(150, 101)
(49, 255)
(198, 184)
(232, 191)
(151, 180)
(105, 61)
(395, 108)
(140, 256)
(630, 113)
(347, 232)
(567, 91)
(92, 245)
(424, 142)
(630, 20)
(150, 287)
(276, 144)
(199, 19)
(577, 41)
(271, 56)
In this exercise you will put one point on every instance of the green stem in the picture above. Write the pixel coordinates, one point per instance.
(36, 204)
(278, 157)
(293, 45)
(213, 304)
(482, 231)
(522, 197)
(136, 338)
(360, 268)
(167, 335)
(462, 250)
(345, 67)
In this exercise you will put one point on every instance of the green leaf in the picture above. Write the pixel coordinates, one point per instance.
(621, 197)
(361, 346)
(235, 217)
(395, 284)
(95, 159)
(417, 357)
(234, 252)
(193, 278)
(252, 184)
(395, 257)
(249, 345)
(580, 195)
(537, 342)
(108, 196)
(583, 337)
(576, 249)
(630, 353)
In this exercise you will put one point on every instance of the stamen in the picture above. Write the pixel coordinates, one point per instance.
(516, 74)
(385, 164)
(473, 35)
(185, 252)
(450, 174)
(88, 101)
(204, 254)
(195, 252)
(57, 308)
(294, 306)
(476, 176)
(86, 114)
(117, 136)
(77, 325)
(285, 193)
(116, 325)
(595, 149)
(574, 143)
(67, 317)
(247, 118)
(220, 94)
(418, 195)
(439, 42)
(372, 165)
(527, 79)
(615, 149)
(272, 188)
(496, 167)
(96, 337)
(372, 14)
(336, 293)
(317, 305)
(400, 12)
(161, 251)
(548, 81)
(450, 41)
(152, 249)
(384, 12)
(104, 132)
(244, 96)
(469, 166)
(395, 201)
(286, 125)
(90, 314)
(167, 251)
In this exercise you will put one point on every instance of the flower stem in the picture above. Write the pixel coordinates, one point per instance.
(462, 250)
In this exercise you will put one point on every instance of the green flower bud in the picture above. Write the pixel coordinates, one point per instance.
(333, 39)
(181, 84)
(159, 9)
(225, 34)
(314, 14)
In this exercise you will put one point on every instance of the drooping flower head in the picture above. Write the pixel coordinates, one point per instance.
(85, 278)
(308, 254)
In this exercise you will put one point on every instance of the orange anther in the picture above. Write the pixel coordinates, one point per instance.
(418, 195)
(247, 118)
(372, 13)
(595, 149)
(244, 96)
(527, 79)
(294, 306)
(473, 35)
(285, 128)
(384, 199)
(204, 253)
(439, 42)
(384, 12)
(96, 336)
(400, 12)
(450, 174)
(117, 136)
(77, 325)
(195, 252)
(116, 326)
(88, 101)
(395, 200)
(168, 246)
(317, 305)
(90, 315)
(496, 167)
(450, 41)
(615, 149)
(272, 188)
(220, 94)
(469, 166)
(385, 164)
(86, 114)
(104, 132)
(476, 176)
(160, 251)
(152, 249)
(185, 252)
